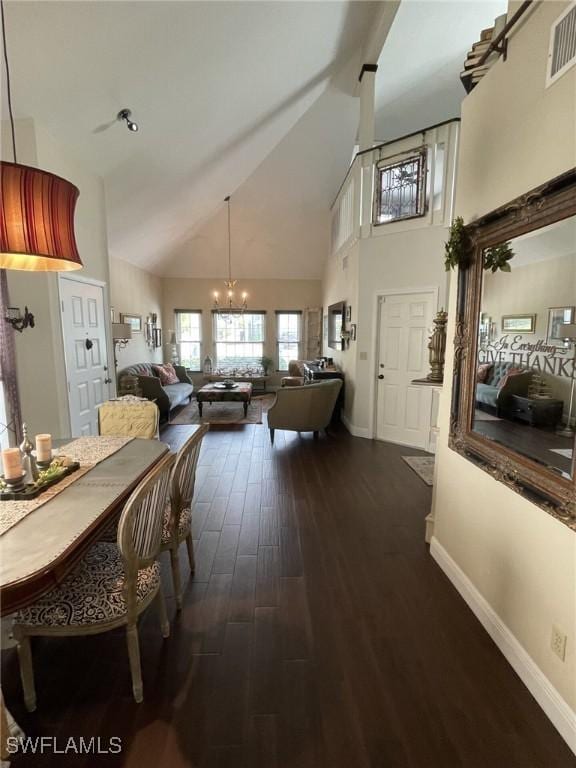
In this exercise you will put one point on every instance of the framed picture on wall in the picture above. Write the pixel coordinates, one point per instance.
(157, 337)
(557, 317)
(134, 321)
(518, 323)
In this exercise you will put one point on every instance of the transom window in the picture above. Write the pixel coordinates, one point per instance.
(401, 189)
(288, 336)
(189, 337)
(239, 339)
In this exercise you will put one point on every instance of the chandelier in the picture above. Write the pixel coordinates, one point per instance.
(229, 306)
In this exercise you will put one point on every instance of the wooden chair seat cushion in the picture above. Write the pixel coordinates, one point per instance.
(184, 525)
(93, 593)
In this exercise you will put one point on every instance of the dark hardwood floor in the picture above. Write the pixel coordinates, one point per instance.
(317, 633)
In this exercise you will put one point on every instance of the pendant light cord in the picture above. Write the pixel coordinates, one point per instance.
(8, 91)
(229, 244)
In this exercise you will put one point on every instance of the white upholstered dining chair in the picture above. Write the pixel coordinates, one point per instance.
(177, 526)
(111, 586)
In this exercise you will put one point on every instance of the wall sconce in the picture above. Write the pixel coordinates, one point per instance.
(17, 320)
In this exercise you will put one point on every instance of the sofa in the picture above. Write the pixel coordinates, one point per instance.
(307, 408)
(496, 395)
(167, 397)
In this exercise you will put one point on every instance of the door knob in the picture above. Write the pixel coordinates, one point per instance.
(381, 376)
(107, 381)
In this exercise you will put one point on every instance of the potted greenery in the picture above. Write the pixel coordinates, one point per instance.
(497, 257)
(459, 247)
(267, 364)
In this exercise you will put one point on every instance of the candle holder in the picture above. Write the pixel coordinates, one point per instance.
(28, 460)
(14, 483)
(43, 465)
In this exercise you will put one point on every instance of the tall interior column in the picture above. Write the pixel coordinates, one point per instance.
(366, 141)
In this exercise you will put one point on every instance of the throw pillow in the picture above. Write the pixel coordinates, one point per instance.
(509, 374)
(483, 372)
(166, 374)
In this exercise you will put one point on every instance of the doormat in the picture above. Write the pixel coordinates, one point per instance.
(423, 466)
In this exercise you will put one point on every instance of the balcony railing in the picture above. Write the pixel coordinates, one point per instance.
(356, 211)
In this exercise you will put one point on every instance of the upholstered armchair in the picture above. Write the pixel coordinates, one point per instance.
(295, 376)
(304, 409)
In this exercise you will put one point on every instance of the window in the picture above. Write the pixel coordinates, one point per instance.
(288, 334)
(400, 189)
(239, 339)
(189, 337)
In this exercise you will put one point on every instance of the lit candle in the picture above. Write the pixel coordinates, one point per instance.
(43, 447)
(12, 463)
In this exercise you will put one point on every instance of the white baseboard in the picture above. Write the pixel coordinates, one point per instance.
(555, 707)
(354, 430)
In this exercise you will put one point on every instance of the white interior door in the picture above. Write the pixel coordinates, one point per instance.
(84, 329)
(403, 409)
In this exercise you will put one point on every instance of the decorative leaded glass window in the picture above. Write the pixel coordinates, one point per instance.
(401, 189)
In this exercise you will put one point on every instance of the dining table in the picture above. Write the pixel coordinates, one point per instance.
(41, 544)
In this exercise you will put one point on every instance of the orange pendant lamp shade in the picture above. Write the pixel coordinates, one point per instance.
(37, 220)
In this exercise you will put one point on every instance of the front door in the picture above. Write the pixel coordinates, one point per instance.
(404, 409)
(84, 329)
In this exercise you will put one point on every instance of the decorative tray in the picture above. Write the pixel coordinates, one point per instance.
(30, 491)
(226, 386)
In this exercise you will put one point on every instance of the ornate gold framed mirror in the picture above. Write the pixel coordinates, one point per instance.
(513, 400)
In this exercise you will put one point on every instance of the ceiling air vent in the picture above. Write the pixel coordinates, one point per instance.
(562, 53)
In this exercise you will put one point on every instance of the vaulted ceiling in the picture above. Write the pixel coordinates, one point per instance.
(418, 81)
(214, 86)
(254, 99)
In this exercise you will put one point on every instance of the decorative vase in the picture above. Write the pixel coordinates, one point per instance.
(437, 347)
(207, 364)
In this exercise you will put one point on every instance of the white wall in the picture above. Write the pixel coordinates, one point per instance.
(369, 260)
(515, 135)
(340, 283)
(135, 291)
(263, 295)
(40, 350)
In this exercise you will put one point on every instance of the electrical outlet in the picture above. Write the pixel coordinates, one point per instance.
(558, 643)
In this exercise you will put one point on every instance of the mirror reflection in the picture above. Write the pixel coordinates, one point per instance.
(335, 324)
(525, 376)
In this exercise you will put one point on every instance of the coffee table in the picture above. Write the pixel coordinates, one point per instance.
(213, 393)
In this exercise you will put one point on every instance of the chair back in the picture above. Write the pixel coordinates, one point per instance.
(129, 417)
(306, 408)
(295, 368)
(184, 475)
(140, 526)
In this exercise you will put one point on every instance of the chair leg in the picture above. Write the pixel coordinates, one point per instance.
(175, 563)
(134, 656)
(190, 548)
(271, 435)
(161, 603)
(26, 671)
